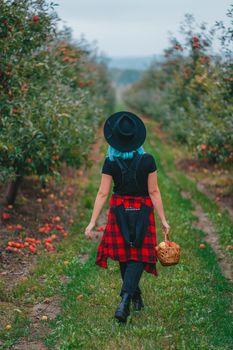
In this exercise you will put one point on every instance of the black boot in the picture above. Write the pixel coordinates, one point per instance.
(123, 310)
(137, 302)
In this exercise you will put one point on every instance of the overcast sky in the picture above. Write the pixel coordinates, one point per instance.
(135, 27)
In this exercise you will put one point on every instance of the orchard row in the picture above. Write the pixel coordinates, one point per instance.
(54, 94)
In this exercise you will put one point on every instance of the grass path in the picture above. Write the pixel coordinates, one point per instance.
(186, 307)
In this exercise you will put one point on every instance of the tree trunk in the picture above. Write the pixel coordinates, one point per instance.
(12, 190)
(43, 183)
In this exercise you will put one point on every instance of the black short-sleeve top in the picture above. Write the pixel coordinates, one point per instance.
(146, 165)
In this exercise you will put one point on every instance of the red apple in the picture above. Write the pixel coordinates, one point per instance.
(32, 248)
(35, 18)
(5, 216)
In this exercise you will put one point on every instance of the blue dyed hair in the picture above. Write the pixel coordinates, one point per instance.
(112, 152)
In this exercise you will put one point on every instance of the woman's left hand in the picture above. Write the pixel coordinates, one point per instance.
(88, 230)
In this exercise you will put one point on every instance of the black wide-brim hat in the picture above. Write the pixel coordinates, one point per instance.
(124, 131)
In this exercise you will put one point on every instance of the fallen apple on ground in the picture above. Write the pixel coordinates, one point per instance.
(201, 245)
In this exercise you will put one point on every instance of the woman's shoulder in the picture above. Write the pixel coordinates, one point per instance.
(106, 167)
(150, 162)
(147, 155)
(107, 161)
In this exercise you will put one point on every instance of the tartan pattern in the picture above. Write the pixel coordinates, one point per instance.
(112, 243)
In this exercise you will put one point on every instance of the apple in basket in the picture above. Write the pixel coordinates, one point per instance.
(163, 245)
(171, 244)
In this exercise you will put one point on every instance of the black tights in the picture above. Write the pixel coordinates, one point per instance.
(131, 272)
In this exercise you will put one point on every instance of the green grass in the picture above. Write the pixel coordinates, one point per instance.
(186, 306)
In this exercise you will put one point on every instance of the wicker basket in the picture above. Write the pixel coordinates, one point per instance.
(168, 253)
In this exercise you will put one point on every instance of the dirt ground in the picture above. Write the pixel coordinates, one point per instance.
(34, 207)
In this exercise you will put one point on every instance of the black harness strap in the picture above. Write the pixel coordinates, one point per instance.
(133, 168)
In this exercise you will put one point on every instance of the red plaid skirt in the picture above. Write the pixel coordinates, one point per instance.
(112, 243)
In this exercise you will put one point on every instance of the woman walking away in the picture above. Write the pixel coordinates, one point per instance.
(130, 233)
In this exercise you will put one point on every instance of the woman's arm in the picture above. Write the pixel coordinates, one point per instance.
(156, 199)
(101, 197)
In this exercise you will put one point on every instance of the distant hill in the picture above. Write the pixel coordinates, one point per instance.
(135, 63)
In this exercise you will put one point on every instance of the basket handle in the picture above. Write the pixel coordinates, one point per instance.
(165, 237)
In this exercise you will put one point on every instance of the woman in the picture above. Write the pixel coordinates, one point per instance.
(130, 234)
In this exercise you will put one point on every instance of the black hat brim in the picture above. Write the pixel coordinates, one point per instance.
(119, 143)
